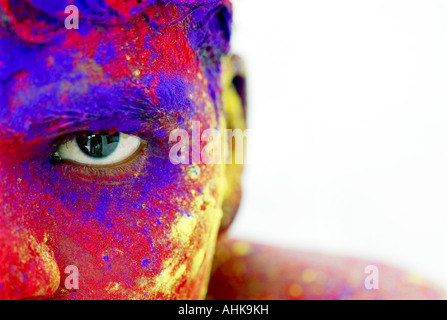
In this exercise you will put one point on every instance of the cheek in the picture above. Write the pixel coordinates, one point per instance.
(141, 231)
(150, 236)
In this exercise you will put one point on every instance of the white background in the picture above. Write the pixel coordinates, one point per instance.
(348, 107)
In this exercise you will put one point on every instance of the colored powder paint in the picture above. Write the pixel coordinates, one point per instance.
(131, 67)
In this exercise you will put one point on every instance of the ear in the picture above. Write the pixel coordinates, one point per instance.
(235, 109)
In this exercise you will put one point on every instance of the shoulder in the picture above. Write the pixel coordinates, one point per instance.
(250, 271)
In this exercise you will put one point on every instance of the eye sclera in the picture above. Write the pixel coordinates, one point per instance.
(127, 149)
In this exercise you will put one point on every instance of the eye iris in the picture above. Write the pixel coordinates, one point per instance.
(98, 145)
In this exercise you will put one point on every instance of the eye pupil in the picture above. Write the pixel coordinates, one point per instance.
(98, 145)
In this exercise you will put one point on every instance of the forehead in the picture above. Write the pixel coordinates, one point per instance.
(142, 57)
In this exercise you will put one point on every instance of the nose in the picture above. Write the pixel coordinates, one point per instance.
(28, 269)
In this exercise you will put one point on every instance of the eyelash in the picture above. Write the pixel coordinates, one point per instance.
(153, 147)
(111, 175)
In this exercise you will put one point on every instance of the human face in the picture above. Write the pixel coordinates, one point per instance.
(142, 228)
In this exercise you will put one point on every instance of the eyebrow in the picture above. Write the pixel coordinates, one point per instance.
(124, 108)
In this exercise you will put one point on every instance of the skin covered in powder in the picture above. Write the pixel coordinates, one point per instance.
(243, 270)
(145, 229)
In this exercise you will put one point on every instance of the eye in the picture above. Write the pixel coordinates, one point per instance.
(101, 149)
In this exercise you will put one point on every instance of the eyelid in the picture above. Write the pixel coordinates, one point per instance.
(129, 148)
